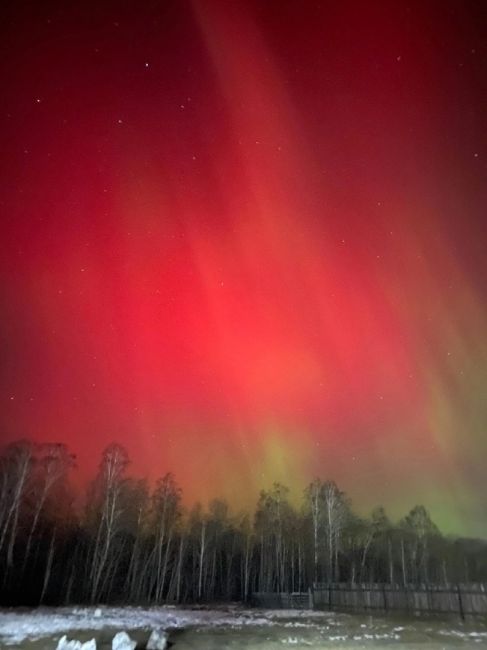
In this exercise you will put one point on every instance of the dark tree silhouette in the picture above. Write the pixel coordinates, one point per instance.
(137, 544)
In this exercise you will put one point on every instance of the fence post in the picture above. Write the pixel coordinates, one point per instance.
(409, 603)
(460, 603)
(311, 604)
(329, 595)
(384, 596)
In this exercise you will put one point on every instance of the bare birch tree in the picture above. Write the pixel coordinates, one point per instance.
(107, 492)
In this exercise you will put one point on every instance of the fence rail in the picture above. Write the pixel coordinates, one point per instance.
(462, 599)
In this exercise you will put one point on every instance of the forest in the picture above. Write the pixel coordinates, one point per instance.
(135, 543)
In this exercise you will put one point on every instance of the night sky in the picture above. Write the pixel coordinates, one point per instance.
(248, 241)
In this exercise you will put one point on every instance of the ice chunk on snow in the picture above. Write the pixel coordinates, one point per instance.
(97, 613)
(122, 641)
(72, 644)
(157, 640)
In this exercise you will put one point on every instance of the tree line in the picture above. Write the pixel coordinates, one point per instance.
(135, 543)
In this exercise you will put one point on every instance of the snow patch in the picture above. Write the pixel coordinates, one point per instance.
(72, 644)
(157, 640)
(15, 626)
(122, 641)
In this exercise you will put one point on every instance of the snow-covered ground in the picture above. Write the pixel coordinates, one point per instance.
(237, 628)
(17, 625)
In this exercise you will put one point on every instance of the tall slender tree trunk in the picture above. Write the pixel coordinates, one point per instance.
(180, 568)
(403, 563)
(391, 562)
(47, 572)
(201, 559)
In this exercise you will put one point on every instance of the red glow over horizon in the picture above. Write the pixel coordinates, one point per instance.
(248, 243)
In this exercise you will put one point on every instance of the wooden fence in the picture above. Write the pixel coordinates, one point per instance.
(296, 600)
(462, 599)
